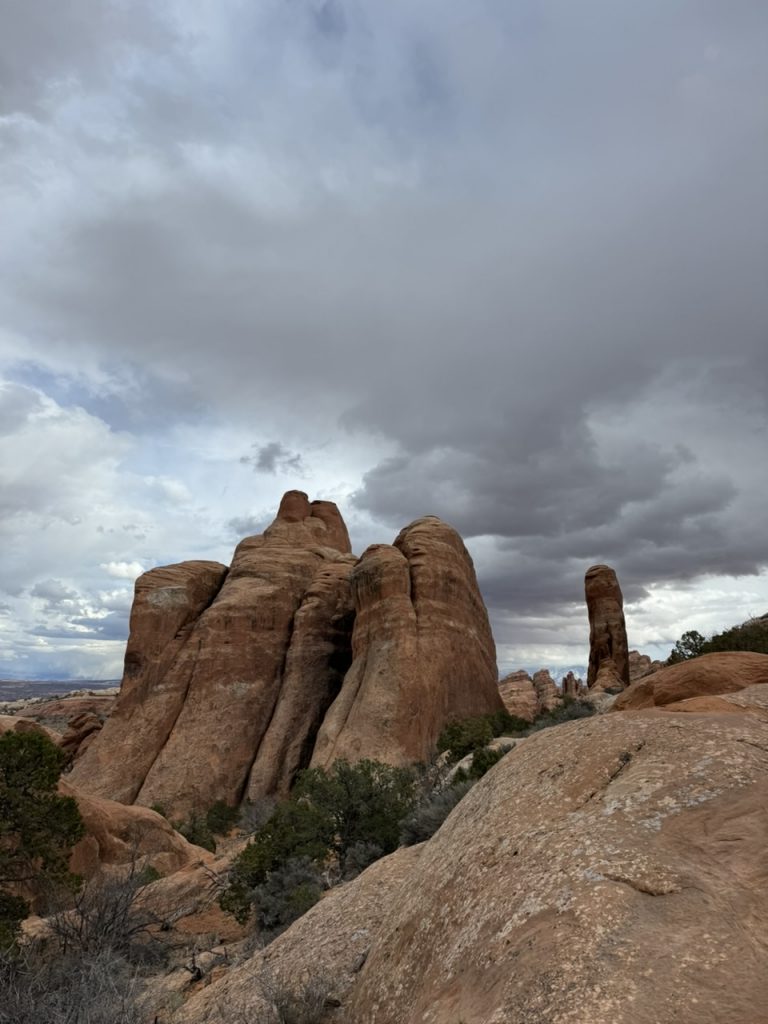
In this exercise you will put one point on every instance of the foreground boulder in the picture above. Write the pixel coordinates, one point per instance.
(422, 650)
(610, 870)
(706, 676)
(608, 650)
(117, 837)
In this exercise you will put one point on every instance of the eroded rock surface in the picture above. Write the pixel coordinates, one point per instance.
(331, 941)
(205, 664)
(118, 836)
(608, 650)
(422, 650)
(706, 676)
(610, 870)
(641, 665)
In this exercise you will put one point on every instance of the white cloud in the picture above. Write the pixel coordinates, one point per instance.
(123, 570)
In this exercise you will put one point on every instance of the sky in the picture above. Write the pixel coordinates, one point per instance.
(505, 262)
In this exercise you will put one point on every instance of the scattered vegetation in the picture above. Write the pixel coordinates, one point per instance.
(196, 830)
(751, 635)
(295, 1002)
(222, 818)
(482, 761)
(338, 821)
(38, 828)
(431, 811)
(462, 737)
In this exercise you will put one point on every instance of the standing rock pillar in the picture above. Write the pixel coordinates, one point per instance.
(608, 650)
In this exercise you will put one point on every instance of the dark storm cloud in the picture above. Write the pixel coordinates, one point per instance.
(527, 248)
(273, 457)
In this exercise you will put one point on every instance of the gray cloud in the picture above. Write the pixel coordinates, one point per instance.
(274, 457)
(524, 254)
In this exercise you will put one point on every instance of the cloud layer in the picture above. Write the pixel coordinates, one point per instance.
(504, 264)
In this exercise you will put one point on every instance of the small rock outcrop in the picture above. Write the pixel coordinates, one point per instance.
(117, 837)
(608, 650)
(547, 693)
(573, 686)
(707, 676)
(519, 695)
(422, 650)
(641, 665)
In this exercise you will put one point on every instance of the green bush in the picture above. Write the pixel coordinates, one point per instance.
(344, 817)
(286, 893)
(195, 830)
(222, 818)
(482, 761)
(38, 828)
(751, 635)
(430, 813)
(466, 735)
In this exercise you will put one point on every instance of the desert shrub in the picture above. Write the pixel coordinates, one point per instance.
(95, 989)
(462, 737)
(568, 710)
(286, 893)
(221, 818)
(38, 828)
(430, 813)
(337, 817)
(254, 814)
(751, 635)
(296, 1001)
(195, 830)
(482, 761)
(110, 913)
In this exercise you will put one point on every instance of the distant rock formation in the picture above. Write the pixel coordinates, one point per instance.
(641, 665)
(608, 650)
(236, 678)
(547, 693)
(422, 650)
(573, 686)
(519, 696)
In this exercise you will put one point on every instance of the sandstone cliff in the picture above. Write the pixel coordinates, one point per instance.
(422, 649)
(235, 678)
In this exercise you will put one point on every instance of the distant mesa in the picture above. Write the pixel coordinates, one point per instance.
(298, 653)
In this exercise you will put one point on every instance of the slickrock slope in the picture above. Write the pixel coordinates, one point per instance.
(609, 871)
(608, 650)
(204, 666)
(705, 676)
(422, 649)
(330, 941)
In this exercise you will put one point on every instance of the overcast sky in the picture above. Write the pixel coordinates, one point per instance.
(503, 261)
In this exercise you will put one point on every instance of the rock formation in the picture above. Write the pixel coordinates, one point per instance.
(641, 665)
(573, 686)
(547, 693)
(608, 651)
(118, 836)
(235, 678)
(422, 650)
(519, 696)
(706, 676)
